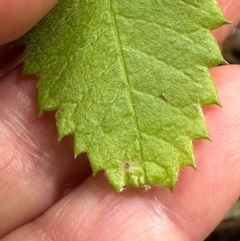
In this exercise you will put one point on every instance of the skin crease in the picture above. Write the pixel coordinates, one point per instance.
(36, 169)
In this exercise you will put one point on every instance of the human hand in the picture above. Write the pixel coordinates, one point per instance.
(36, 169)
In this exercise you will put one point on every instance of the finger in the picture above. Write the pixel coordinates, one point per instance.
(199, 202)
(30, 12)
(230, 9)
(35, 169)
(17, 17)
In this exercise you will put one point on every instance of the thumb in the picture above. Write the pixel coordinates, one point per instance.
(17, 17)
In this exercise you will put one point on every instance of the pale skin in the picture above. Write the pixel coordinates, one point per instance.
(35, 168)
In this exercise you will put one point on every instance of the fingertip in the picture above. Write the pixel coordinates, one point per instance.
(17, 17)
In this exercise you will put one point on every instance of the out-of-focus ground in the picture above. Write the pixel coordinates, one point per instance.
(231, 47)
(229, 228)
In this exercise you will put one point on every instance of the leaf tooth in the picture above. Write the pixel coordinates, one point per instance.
(116, 179)
(185, 147)
(65, 124)
(80, 147)
(160, 175)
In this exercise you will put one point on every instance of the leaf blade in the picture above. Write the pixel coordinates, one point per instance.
(128, 84)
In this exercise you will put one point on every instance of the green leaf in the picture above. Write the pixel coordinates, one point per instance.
(128, 79)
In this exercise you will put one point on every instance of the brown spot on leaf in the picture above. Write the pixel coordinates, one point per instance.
(127, 165)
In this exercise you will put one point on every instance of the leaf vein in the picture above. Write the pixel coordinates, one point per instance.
(158, 60)
(184, 36)
(127, 82)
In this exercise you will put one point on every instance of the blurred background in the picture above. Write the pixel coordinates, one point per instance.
(229, 228)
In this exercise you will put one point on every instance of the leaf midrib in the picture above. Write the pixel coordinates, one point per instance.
(126, 79)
